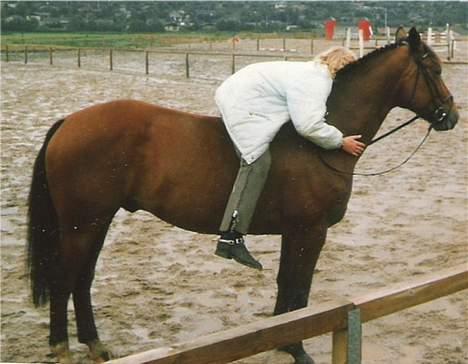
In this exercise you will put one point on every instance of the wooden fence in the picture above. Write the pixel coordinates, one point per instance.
(23, 54)
(343, 320)
(187, 54)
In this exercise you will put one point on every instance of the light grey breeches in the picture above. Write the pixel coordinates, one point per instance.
(247, 188)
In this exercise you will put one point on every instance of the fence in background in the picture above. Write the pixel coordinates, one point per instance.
(49, 55)
(25, 52)
(343, 320)
(441, 41)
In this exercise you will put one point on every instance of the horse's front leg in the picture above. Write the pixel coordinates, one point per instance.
(300, 249)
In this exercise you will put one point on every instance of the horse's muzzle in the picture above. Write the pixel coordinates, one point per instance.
(445, 117)
(448, 122)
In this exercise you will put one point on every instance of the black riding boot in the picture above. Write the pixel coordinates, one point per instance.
(231, 246)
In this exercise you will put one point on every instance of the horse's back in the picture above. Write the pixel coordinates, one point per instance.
(137, 155)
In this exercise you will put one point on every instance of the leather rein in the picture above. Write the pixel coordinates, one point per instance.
(439, 116)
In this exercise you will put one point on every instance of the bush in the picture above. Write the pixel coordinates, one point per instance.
(18, 23)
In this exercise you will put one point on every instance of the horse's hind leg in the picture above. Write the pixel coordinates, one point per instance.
(79, 249)
(58, 340)
(86, 327)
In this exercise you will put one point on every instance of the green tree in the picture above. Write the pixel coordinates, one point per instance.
(154, 25)
(77, 24)
(228, 25)
(136, 26)
(17, 23)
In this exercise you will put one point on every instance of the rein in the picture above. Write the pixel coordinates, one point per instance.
(373, 174)
(410, 121)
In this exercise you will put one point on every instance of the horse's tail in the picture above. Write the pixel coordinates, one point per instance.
(43, 232)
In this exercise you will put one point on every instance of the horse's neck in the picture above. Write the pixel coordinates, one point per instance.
(362, 98)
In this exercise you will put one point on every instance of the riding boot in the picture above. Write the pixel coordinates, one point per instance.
(231, 245)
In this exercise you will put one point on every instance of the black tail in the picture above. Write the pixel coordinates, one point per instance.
(43, 232)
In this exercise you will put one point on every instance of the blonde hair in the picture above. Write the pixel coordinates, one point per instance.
(336, 58)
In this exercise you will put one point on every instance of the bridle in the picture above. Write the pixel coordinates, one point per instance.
(438, 116)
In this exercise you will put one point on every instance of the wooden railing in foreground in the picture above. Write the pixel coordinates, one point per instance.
(343, 320)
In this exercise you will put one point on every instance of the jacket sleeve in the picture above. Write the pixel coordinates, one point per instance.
(306, 101)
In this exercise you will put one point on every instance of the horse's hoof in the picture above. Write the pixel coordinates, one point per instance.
(298, 353)
(98, 352)
(304, 359)
(62, 353)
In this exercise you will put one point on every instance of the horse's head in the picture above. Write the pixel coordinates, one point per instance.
(422, 89)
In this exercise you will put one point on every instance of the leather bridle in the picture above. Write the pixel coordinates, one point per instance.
(439, 115)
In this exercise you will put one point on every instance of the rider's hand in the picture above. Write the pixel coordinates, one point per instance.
(352, 145)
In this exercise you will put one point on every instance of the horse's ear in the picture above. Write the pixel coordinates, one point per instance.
(400, 34)
(414, 38)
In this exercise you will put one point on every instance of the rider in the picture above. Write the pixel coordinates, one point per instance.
(255, 102)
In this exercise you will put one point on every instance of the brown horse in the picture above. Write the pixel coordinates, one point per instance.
(181, 167)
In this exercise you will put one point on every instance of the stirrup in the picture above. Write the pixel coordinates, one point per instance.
(235, 241)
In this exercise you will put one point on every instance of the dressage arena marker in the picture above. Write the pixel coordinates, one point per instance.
(344, 321)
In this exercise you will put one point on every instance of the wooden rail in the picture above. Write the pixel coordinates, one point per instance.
(343, 320)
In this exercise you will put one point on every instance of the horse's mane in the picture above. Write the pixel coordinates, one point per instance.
(350, 67)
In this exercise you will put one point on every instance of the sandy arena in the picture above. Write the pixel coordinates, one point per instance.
(157, 285)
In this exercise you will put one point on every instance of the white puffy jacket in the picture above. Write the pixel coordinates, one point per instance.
(258, 99)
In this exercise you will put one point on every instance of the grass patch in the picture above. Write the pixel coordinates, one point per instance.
(108, 40)
(128, 41)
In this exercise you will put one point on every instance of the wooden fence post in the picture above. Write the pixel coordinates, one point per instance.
(361, 43)
(25, 54)
(449, 42)
(347, 343)
(187, 65)
(429, 36)
(6, 53)
(79, 58)
(111, 62)
(51, 57)
(348, 38)
(340, 347)
(233, 64)
(258, 44)
(147, 62)
(284, 44)
(312, 46)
